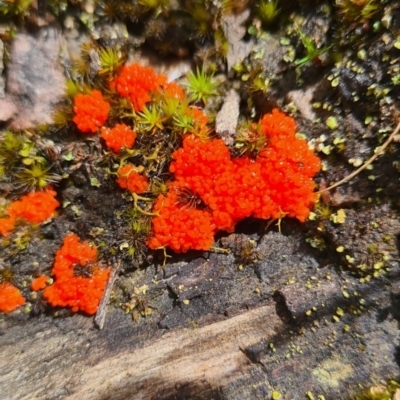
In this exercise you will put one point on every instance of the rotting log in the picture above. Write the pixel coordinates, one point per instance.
(238, 336)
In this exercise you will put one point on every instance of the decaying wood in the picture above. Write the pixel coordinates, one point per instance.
(216, 333)
(60, 364)
(378, 152)
(100, 317)
(209, 355)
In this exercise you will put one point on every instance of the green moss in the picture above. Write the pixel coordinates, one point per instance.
(111, 59)
(16, 8)
(312, 51)
(268, 11)
(36, 177)
(201, 86)
(6, 275)
(358, 10)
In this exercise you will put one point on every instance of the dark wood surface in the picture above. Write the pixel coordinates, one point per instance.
(216, 332)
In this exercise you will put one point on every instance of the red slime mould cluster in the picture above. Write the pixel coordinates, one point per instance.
(10, 297)
(79, 281)
(35, 207)
(277, 183)
(91, 111)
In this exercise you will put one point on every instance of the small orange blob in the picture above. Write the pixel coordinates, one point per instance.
(173, 90)
(6, 225)
(118, 137)
(180, 227)
(39, 283)
(129, 178)
(79, 280)
(10, 297)
(35, 207)
(91, 111)
(137, 82)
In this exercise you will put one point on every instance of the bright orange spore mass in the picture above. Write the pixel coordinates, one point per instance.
(79, 281)
(180, 226)
(137, 82)
(7, 225)
(34, 207)
(118, 137)
(10, 297)
(129, 178)
(91, 111)
(277, 183)
(173, 90)
(39, 283)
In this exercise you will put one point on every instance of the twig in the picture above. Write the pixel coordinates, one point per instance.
(368, 162)
(100, 317)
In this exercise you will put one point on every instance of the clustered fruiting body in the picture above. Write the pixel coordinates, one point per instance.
(34, 207)
(91, 111)
(79, 280)
(137, 83)
(173, 90)
(39, 283)
(118, 137)
(180, 226)
(129, 178)
(278, 182)
(10, 297)
(6, 225)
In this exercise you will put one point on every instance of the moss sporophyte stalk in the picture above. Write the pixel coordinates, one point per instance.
(185, 184)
